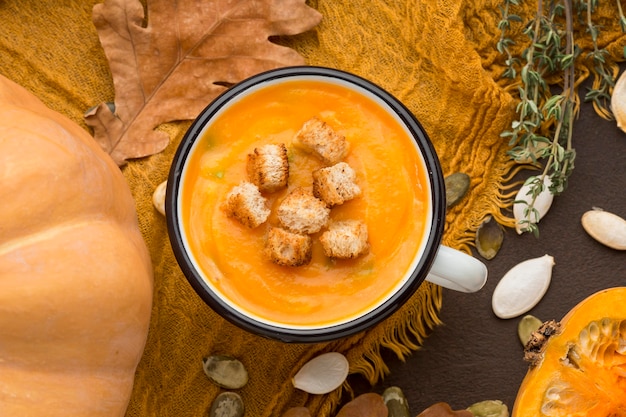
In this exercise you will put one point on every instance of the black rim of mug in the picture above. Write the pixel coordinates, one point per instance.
(306, 335)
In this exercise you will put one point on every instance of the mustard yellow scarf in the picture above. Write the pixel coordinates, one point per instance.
(436, 56)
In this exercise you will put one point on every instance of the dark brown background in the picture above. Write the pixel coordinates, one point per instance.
(476, 356)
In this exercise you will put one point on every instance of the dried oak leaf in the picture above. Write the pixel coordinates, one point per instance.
(365, 405)
(442, 409)
(169, 65)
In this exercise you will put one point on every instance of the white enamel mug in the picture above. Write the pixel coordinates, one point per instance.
(434, 262)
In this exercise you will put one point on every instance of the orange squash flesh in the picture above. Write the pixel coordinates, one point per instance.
(393, 205)
(582, 370)
(75, 273)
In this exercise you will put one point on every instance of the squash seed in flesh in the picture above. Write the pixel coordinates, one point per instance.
(489, 408)
(322, 374)
(522, 287)
(456, 185)
(489, 238)
(227, 404)
(225, 371)
(605, 227)
(396, 402)
(526, 327)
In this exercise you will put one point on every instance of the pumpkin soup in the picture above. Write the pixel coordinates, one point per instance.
(393, 204)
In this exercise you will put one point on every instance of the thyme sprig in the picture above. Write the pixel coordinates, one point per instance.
(542, 133)
(622, 18)
(505, 42)
(604, 78)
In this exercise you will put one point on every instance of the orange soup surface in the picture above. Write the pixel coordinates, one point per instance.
(393, 204)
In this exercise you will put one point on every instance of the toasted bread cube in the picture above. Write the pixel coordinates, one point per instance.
(268, 167)
(288, 249)
(302, 212)
(246, 204)
(345, 239)
(317, 137)
(336, 184)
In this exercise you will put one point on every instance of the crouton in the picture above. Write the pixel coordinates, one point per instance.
(268, 167)
(246, 204)
(345, 239)
(288, 249)
(335, 185)
(302, 212)
(319, 138)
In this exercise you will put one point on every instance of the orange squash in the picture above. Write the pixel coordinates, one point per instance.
(581, 369)
(75, 274)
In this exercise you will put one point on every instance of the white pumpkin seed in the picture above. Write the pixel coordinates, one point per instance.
(322, 374)
(605, 227)
(522, 287)
(526, 326)
(524, 216)
(532, 153)
(225, 371)
(158, 197)
(618, 102)
(227, 404)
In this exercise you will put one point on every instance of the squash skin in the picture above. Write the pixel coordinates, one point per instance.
(76, 279)
(608, 391)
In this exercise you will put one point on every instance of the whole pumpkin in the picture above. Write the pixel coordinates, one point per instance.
(580, 370)
(75, 275)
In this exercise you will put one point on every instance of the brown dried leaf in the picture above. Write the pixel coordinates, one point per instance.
(443, 410)
(365, 405)
(169, 65)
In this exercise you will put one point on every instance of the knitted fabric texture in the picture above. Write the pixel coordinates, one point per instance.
(437, 56)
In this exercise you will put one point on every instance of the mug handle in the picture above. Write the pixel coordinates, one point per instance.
(457, 271)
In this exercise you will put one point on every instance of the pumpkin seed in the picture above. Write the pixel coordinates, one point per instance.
(396, 402)
(158, 197)
(541, 205)
(489, 238)
(322, 374)
(227, 404)
(618, 102)
(522, 287)
(456, 185)
(489, 408)
(526, 326)
(605, 227)
(225, 371)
